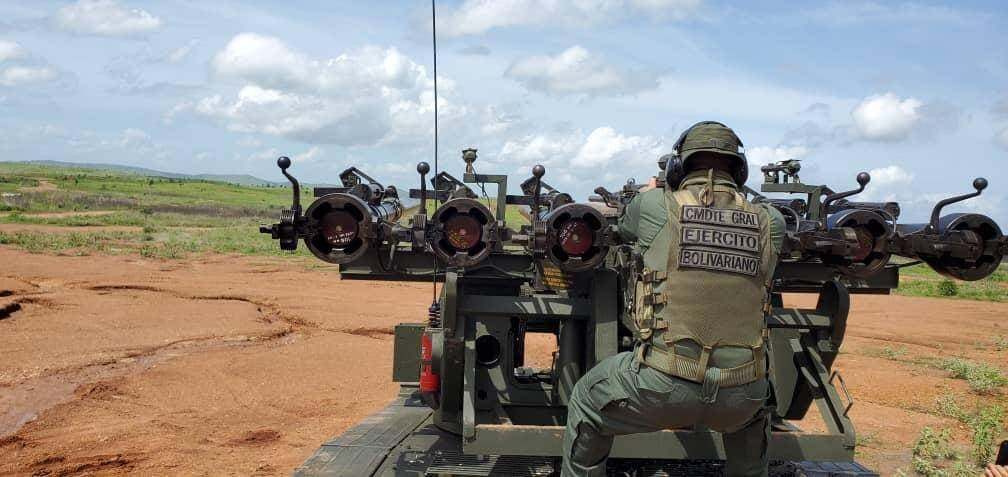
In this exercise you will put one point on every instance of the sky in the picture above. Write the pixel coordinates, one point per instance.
(916, 93)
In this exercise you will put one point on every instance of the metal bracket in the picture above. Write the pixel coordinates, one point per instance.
(843, 387)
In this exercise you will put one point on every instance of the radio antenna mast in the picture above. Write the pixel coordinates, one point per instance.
(437, 197)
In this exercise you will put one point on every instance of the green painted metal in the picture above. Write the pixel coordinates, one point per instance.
(671, 444)
(405, 359)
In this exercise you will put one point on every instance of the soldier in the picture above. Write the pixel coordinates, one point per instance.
(708, 260)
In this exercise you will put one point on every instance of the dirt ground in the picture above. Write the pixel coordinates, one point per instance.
(229, 365)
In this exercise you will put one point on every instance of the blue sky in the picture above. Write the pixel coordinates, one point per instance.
(596, 90)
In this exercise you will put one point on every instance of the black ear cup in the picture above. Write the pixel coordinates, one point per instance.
(674, 172)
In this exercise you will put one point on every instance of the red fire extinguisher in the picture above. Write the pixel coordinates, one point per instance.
(430, 382)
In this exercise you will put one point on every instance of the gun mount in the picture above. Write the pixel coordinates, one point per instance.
(472, 404)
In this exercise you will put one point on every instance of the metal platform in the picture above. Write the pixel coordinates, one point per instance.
(399, 441)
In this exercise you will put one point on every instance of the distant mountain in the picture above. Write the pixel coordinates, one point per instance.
(239, 179)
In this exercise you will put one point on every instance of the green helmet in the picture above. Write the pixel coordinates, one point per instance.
(706, 136)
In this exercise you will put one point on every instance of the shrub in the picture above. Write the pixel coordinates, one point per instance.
(948, 288)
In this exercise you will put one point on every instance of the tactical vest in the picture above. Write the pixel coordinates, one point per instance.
(708, 282)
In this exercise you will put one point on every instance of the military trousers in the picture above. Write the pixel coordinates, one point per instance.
(618, 397)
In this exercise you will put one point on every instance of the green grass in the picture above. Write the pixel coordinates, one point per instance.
(136, 219)
(985, 423)
(932, 453)
(889, 352)
(151, 243)
(87, 189)
(66, 243)
(986, 426)
(947, 405)
(983, 378)
(13, 183)
(921, 280)
(175, 218)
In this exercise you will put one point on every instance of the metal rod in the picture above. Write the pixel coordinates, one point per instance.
(436, 195)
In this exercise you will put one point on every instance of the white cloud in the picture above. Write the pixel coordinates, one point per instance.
(762, 155)
(474, 17)
(77, 144)
(262, 59)
(19, 68)
(604, 146)
(24, 75)
(1002, 138)
(363, 97)
(578, 71)
(541, 148)
(1000, 108)
(270, 155)
(889, 176)
(265, 155)
(249, 141)
(497, 120)
(474, 50)
(10, 50)
(860, 13)
(886, 117)
(105, 18)
(892, 183)
(181, 52)
(602, 155)
(310, 155)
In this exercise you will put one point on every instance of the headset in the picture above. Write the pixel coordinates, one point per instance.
(675, 170)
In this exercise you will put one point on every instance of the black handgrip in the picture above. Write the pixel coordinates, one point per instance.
(863, 179)
(423, 168)
(283, 163)
(979, 184)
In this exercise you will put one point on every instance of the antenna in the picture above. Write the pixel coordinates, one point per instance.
(437, 197)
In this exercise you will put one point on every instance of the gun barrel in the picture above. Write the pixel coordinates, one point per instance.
(963, 246)
(389, 210)
(342, 226)
(868, 235)
(889, 208)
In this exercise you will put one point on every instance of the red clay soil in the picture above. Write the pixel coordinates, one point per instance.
(227, 365)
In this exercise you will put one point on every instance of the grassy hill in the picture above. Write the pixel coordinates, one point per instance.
(240, 179)
(80, 210)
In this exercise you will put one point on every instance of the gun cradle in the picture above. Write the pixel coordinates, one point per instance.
(468, 386)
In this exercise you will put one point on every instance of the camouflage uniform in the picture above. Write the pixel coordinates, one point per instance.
(700, 361)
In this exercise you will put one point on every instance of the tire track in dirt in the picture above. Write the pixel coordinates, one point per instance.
(25, 400)
(274, 310)
(28, 398)
(7, 309)
(201, 366)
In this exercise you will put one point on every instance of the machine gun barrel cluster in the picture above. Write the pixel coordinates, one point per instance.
(855, 238)
(568, 272)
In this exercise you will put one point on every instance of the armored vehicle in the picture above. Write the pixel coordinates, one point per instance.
(471, 402)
